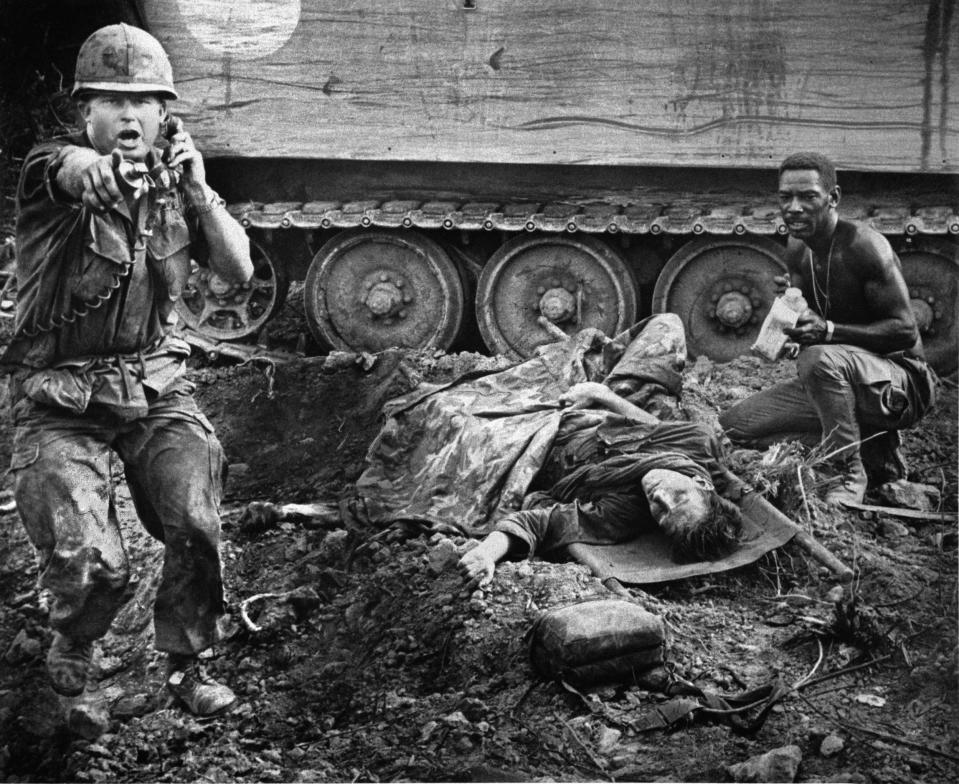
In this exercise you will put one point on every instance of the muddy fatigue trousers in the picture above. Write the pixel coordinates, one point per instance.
(842, 394)
(174, 469)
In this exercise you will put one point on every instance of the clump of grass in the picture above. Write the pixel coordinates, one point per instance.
(790, 475)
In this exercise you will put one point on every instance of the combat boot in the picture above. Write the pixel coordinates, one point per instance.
(197, 692)
(849, 486)
(67, 663)
(883, 458)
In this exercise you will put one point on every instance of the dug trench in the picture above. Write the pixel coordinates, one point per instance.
(363, 657)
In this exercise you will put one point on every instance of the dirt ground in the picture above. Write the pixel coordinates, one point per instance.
(375, 664)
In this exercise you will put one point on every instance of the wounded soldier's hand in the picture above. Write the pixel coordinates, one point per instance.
(586, 394)
(477, 567)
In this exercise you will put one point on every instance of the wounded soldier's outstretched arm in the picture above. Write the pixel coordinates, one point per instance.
(590, 394)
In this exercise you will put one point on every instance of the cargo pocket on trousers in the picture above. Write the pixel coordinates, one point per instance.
(218, 465)
(24, 456)
(886, 404)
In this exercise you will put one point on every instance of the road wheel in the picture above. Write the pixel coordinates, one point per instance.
(571, 282)
(930, 266)
(369, 290)
(722, 289)
(220, 310)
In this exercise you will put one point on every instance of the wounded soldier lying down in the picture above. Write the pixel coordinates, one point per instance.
(613, 471)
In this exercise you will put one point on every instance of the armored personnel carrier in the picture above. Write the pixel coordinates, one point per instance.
(431, 168)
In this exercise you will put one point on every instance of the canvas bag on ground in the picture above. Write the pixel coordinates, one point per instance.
(597, 641)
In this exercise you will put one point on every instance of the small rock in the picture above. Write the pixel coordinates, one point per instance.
(910, 495)
(333, 669)
(835, 594)
(524, 569)
(355, 614)
(333, 547)
(240, 469)
(88, 721)
(777, 765)
(133, 705)
(893, 529)
(607, 738)
(831, 745)
(23, 648)
(442, 556)
(109, 665)
(456, 718)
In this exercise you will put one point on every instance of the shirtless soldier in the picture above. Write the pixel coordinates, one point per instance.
(107, 224)
(862, 375)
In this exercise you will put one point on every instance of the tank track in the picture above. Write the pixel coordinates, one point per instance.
(565, 217)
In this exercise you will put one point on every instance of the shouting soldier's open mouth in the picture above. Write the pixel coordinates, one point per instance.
(128, 139)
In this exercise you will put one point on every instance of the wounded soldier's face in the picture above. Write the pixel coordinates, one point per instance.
(678, 502)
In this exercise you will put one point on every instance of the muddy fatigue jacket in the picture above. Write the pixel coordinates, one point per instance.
(592, 491)
(96, 372)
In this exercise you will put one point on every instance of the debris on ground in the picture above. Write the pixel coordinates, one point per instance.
(361, 655)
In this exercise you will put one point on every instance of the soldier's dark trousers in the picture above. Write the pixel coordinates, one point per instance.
(840, 391)
(174, 469)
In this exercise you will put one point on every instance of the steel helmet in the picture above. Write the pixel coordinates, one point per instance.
(124, 59)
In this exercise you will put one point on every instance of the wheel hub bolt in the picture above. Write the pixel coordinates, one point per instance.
(557, 304)
(734, 309)
(383, 298)
(218, 287)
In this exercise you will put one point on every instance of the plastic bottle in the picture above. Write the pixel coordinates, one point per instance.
(783, 314)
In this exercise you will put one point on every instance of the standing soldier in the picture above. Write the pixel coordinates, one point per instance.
(862, 375)
(107, 224)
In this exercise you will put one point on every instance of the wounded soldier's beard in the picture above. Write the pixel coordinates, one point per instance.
(627, 469)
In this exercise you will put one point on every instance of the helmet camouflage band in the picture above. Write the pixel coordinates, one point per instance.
(124, 59)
